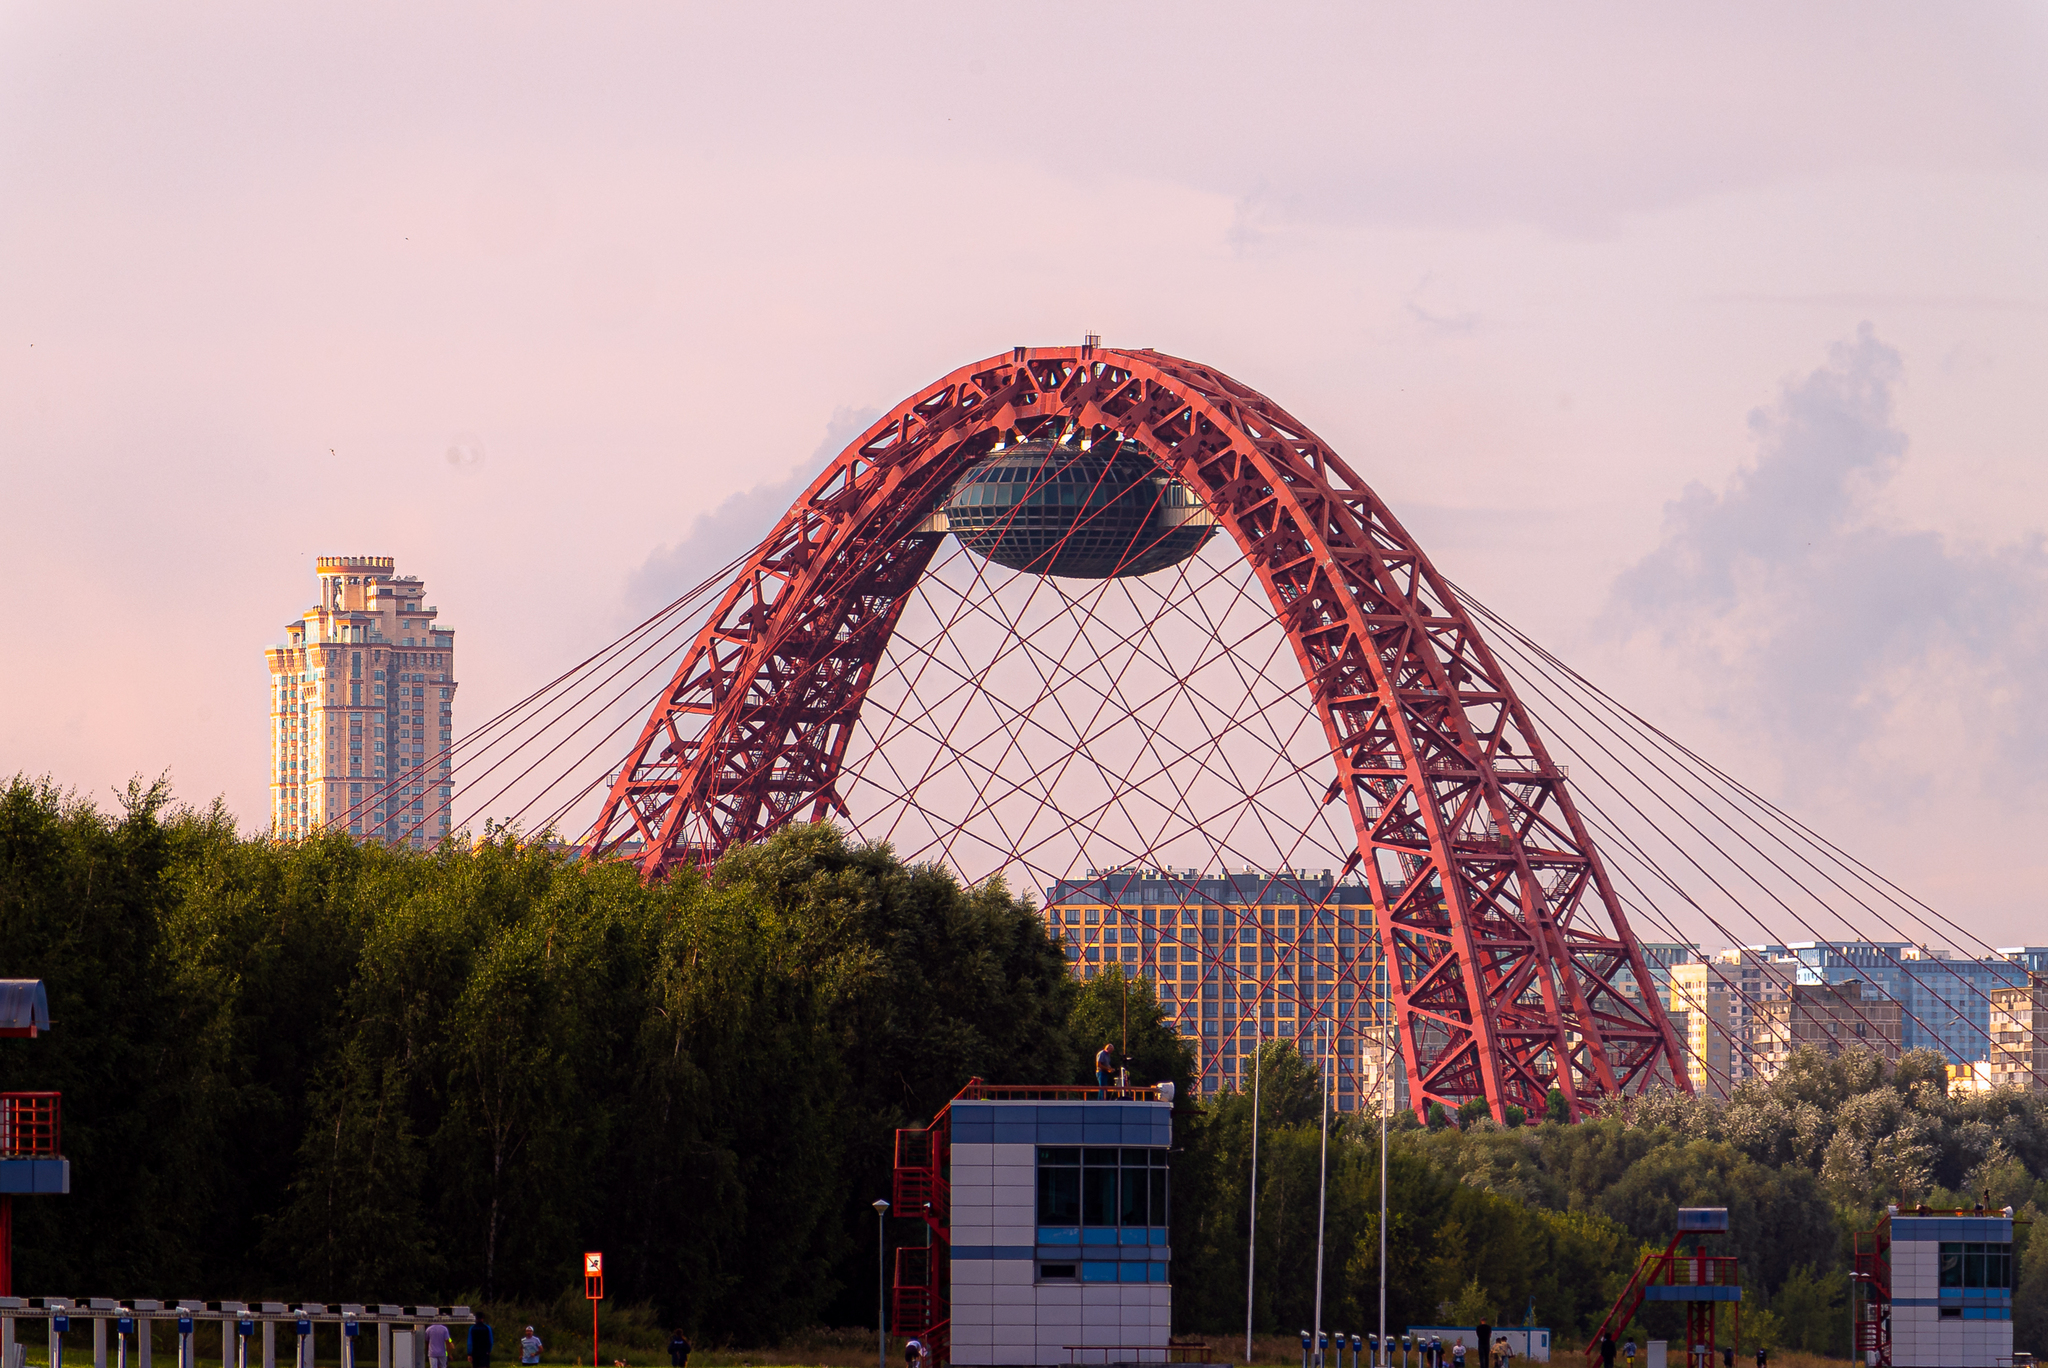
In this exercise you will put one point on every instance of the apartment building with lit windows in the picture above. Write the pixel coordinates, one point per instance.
(2019, 1036)
(362, 709)
(1829, 1017)
(1241, 958)
(1699, 1004)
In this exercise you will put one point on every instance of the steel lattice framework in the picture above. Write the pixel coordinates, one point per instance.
(1511, 955)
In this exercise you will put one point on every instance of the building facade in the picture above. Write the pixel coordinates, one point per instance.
(1939, 1289)
(1829, 1017)
(1237, 959)
(2019, 1036)
(1058, 1237)
(362, 709)
(1751, 975)
(1945, 1001)
(1700, 1013)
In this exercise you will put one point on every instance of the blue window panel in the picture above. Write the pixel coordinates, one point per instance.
(1061, 1133)
(992, 1251)
(1098, 1272)
(1059, 1235)
(1131, 1272)
(1099, 1235)
(1155, 1272)
(1016, 1132)
(972, 1111)
(1132, 1235)
(1157, 1234)
(973, 1133)
(1102, 1133)
(1062, 1116)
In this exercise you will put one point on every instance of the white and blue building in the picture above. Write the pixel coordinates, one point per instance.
(1945, 1284)
(1055, 1232)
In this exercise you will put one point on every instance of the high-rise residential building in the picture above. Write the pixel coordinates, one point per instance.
(1752, 976)
(1661, 957)
(1241, 958)
(1829, 1017)
(2019, 1036)
(362, 709)
(1699, 1003)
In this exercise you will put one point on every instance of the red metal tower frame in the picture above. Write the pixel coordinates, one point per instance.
(1506, 940)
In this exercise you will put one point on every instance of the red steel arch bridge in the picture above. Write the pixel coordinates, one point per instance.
(1082, 614)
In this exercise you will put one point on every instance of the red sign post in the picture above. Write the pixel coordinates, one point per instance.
(593, 1288)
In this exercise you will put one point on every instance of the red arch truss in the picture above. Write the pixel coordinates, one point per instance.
(1507, 943)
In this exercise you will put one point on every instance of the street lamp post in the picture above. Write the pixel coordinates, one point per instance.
(1852, 1313)
(881, 1287)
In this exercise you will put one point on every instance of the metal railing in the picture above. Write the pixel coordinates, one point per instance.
(31, 1125)
(978, 1091)
(1105, 1355)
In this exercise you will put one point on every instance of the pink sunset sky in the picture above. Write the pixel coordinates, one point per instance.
(1708, 344)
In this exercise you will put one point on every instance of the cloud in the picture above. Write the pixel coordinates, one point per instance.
(1858, 647)
(720, 536)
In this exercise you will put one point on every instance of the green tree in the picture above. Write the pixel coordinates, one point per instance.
(1812, 1312)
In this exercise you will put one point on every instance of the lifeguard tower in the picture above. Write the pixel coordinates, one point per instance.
(32, 1162)
(1704, 1282)
(1045, 1211)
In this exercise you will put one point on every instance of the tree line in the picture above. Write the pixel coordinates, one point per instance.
(325, 1071)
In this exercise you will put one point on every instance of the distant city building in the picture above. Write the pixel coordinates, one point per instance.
(1662, 957)
(1700, 1007)
(362, 709)
(2019, 1036)
(1945, 1001)
(1970, 1078)
(1829, 1017)
(1239, 958)
(1752, 976)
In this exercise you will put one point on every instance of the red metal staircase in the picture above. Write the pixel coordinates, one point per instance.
(920, 1306)
(1872, 1300)
(1701, 1281)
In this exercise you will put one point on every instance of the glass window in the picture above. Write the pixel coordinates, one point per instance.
(1973, 1265)
(1059, 1187)
(1951, 1265)
(1135, 1200)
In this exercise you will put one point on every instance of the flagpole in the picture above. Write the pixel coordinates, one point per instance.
(1323, 1186)
(1251, 1253)
(1386, 1108)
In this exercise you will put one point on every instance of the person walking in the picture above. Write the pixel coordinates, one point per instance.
(480, 1344)
(1606, 1349)
(1728, 1356)
(1628, 1350)
(678, 1349)
(1762, 1357)
(910, 1348)
(529, 1349)
(437, 1345)
(1105, 1070)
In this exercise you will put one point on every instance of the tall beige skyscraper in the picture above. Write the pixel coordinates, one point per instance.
(362, 703)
